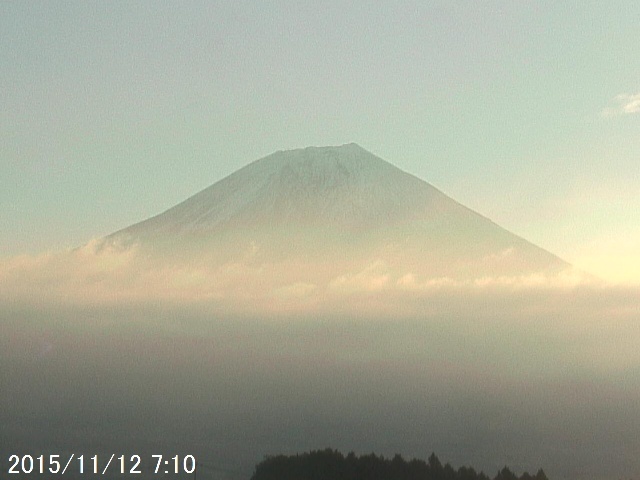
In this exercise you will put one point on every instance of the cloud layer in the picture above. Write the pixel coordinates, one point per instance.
(239, 360)
(104, 274)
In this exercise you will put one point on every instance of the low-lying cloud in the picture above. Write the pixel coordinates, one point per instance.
(106, 349)
(106, 274)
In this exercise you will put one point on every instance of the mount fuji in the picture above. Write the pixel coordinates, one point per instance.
(325, 211)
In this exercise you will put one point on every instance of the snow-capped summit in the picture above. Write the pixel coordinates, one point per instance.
(314, 185)
(336, 205)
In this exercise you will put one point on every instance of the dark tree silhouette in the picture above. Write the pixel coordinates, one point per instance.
(330, 464)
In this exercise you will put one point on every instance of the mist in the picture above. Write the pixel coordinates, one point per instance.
(528, 374)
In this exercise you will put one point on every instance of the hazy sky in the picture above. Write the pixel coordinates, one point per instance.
(528, 112)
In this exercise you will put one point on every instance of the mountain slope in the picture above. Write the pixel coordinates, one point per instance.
(330, 209)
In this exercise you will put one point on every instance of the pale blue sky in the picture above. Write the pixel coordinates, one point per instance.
(111, 112)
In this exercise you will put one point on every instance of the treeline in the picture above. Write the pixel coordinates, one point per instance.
(332, 465)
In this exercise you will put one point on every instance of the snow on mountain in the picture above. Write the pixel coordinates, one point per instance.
(331, 210)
